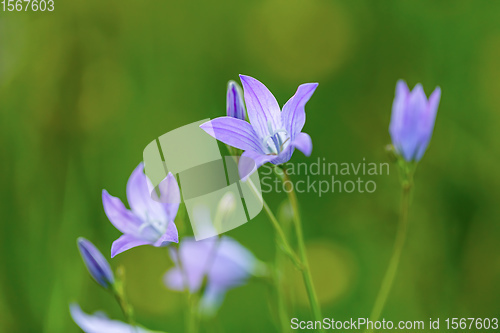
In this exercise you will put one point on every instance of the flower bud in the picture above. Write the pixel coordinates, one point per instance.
(95, 262)
(225, 210)
(234, 102)
(412, 120)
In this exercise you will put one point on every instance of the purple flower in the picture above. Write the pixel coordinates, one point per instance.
(95, 262)
(234, 102)
(148, 222)
(100, 323)
(272, 134)
(221, 263)
(412, 120)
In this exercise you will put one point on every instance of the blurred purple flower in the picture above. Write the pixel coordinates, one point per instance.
(412, 120)
(272, 134)
(100, 323)
(221, 263)
(95, 262)
(234, 102)
(149, 222)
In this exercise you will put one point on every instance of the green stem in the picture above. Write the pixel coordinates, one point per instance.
(399, 243)
(118, 291)
(126, 308)
(306, 271)
(283, 317)
(280, 235)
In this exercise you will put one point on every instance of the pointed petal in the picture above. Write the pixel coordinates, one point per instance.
(170, 196)
(122, 218)
(99, 323)
(139, 196)
(211, 301)
(294, 115)
(426, 126)
(173, 279)
(171, 235)
(250, 161)
(433, 104)
(234, 101)
(303, 143)
(126, 242)
(398, 109)
(410, 136)
(262, 107)
(234, 132)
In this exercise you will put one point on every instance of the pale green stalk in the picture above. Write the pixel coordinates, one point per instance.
(306, 272)
(284, 245)
(407, 170)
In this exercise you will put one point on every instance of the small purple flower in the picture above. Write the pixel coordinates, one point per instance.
(234, 102)
(223, 263)
(272, 134)
(148, 222)
(100, 323)
(95, 262)
(412, 120)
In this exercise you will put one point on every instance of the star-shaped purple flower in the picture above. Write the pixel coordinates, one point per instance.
(148, 222)
(224, 263)
(272, 134)
(412, 120)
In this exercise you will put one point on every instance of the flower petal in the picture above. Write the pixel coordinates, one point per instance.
(234, 101)
(433, 104)
(234, 132)
(99, 323)
(193, 256)
(170, 196)
(303, 143)
(139, 197)
(398, 110)
(174, 280)
(262, 107)
(294, 115)
(250, 161)
(171, 235)
(410, 136)
(126, 242)
(427, 121)
(122, 218)
(211, 301)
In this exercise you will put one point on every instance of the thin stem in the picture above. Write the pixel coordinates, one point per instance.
(126, 309)
(306, 271)
(390, 274)
(190, 317)
(283, 317)
(280, 235)
(118, 291)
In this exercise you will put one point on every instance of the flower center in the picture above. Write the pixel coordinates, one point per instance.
(152, 229)
(274, 141)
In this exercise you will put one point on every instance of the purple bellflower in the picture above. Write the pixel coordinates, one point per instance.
(95, 262)
(234, 101)
(412, 120)
(221, 263)
(100, 323)
(272, 134)
(148, 222)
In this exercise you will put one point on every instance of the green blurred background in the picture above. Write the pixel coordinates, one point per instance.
(85, 88)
